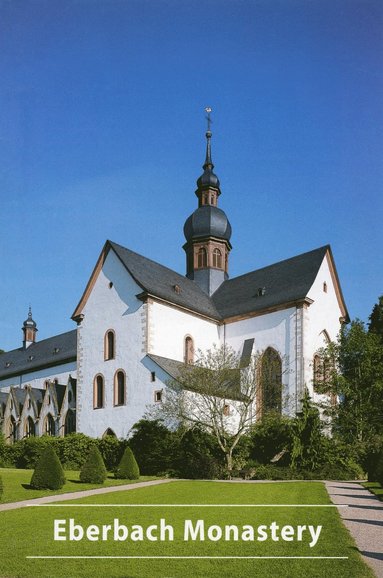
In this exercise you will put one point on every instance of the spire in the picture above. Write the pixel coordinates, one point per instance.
(208, 180)
(207, 231)
(29, 330)
(208, 161)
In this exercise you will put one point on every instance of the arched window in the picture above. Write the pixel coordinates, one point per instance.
(109, 345)
(119, 387)
(217, 259)
(70, 422)
(98, 392)
(202, 258)
(12, 430)
(189, 350)
(269, 397)
(29, 429)
(109, 432)
(49, 425)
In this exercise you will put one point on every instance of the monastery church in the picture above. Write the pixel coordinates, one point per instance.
(137, 321)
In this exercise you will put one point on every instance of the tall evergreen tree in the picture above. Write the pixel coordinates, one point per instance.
(376, 318)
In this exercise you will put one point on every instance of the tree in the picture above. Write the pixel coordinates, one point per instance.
(48, 473)
(352, 369)
(376, 318)
(154, 445)
(307, 436)
(128, 468)
(217, 394)
(93, 470)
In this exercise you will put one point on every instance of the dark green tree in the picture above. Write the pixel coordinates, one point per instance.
(93, 470)
(48, 473)
(307, 436)
(376, 319)
(154, 445)
(128, 468)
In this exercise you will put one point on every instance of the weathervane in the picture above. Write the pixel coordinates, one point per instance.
(209, 121)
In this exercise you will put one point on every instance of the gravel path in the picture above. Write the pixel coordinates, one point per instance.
(82, 494)
(363, 518)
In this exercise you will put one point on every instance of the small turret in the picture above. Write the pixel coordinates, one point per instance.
(29, 330)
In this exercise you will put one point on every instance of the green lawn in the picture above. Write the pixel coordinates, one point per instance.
(16, 484)
(375, 488)
(29, 532)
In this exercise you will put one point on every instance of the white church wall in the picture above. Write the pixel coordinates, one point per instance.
(322, 316)
(114, 308)
(168, 328)
(278, 330)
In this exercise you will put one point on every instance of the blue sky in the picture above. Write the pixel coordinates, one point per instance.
(102, 136)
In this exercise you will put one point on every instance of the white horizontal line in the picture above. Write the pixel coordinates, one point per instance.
(188, 557)
(191, 505)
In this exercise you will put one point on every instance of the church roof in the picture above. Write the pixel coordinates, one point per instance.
(46, 353)
(279, 284)
(175, 369)
(164, 283)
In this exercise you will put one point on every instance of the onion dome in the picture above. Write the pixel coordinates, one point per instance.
(29, 322)
(207, 221)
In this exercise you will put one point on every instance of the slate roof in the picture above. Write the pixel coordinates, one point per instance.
(230, 389)
(283, 282)
(161, 282)
(39, 354)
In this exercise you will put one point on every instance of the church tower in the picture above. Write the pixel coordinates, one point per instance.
(29, 330)
(207, 230)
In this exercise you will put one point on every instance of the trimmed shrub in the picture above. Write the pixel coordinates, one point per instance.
(111, 450)
(48, 473)
(1, 487)
(93, 471)
(27, 451)
(127, 468)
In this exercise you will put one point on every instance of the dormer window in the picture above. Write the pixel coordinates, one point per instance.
(109, 345)
(56, 350)
(177, 289)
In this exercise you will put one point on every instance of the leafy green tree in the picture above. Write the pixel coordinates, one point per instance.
(93, 470)
(269, 437)
(198, 455)
(48, 473)
(376, 319)
(154, 445)
(128, 468)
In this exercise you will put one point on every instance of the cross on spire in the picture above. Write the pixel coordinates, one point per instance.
(209, 121)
